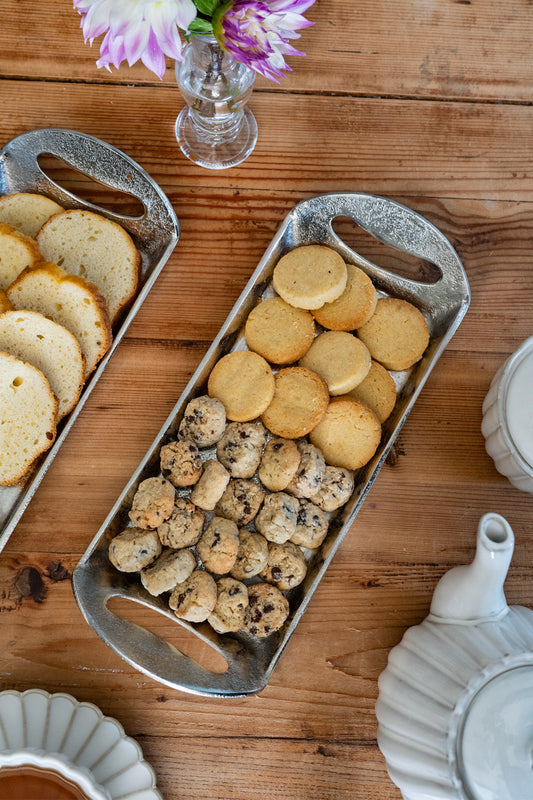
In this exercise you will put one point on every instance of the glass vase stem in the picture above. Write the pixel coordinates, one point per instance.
(215, 129)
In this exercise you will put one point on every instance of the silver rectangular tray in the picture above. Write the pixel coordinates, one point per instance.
(251, 660)
(155, 233)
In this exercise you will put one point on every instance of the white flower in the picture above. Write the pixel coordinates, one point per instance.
(136, 29)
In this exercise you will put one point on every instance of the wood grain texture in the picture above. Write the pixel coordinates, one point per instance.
(424, 101)
(451, 49)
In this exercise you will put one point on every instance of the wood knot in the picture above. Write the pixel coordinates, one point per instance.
(394, 454)
(29, 583)
(57, 572)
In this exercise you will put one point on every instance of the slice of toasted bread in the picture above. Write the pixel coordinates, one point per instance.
(17, 251)
(69, 300)
(26, 211)
(28, 411)
(49, 347)
(5, 303)
(89, 245)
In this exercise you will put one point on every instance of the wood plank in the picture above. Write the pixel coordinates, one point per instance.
(460, 50)
(424, 102)
(392, 147)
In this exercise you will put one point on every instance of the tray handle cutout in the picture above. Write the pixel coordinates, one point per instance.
(153, 655)
(97, 160)
(400, 227)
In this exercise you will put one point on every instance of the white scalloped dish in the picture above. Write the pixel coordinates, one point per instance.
(56, 733)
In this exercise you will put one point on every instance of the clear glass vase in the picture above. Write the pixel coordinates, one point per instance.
(215, 129)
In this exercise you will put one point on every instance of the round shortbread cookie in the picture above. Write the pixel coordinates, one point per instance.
(243, 381)
(377, 391)
(354, 307)
(340, 358)
(396, 334)
(300, 400)
(279, 332)
(310, 276)
(348, 434)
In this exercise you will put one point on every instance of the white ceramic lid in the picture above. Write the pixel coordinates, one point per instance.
(495, 744)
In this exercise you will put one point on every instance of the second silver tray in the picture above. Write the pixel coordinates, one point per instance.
(250, 660)
(155, 233)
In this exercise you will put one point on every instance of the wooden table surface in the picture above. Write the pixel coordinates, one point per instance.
(429, 102)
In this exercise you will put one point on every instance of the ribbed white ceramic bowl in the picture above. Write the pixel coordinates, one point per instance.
(76, 740)
(507, 422)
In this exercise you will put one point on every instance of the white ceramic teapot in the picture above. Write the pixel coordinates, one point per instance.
(455, 705)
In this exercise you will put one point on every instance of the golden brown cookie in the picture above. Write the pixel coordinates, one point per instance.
(243, 381)
(279, 332)
(348, 434)
(377, 391)
(300, 400)
(354, 307)
(396, 334)
(310, 276)
(340, 358)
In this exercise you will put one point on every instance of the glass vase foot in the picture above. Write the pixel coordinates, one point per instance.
(216, 152)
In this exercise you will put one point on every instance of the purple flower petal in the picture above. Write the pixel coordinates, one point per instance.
(257, 33)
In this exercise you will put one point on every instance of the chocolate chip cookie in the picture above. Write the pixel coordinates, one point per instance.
(134, 549)
(241, 501)
(218, 545)
(252, 555)
(311, 525)
(195, 598)
(181, 463)
(184, 526)
(204, 421)
(230, 608)
(279, 463)
(172, 567)
(286, 566)
(152, 503)
(277, 518)
(267, 610)
(240, 448)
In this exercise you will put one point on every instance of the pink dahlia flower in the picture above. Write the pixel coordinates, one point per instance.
(136, 29)
(258, 32)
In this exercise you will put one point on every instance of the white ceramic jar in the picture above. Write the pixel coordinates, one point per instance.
(507, 423)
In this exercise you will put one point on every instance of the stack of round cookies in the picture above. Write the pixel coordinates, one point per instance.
(226, 532)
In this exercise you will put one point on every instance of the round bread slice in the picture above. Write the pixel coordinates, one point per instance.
(26, 211)
(17, 252)
(348, 434)
(70, 301)
(95, 248)
(49, 347)
(28, 411)
(300, 400)
(5, 303)
(309, 276)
